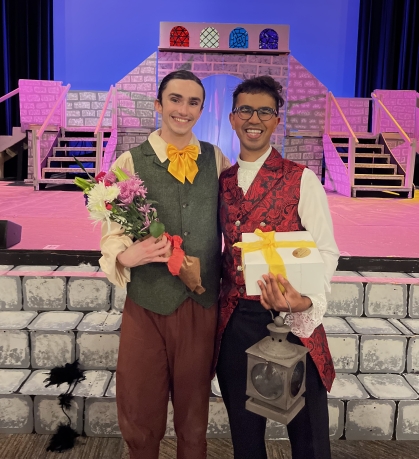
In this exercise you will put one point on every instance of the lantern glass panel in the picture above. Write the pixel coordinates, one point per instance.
(267, 380)
(297, 379)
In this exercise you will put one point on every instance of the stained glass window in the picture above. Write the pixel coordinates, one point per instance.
(209, 38)
(179, 36)
(239, 38)
(268, 39)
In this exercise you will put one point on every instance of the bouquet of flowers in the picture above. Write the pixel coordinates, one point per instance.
(121, 197)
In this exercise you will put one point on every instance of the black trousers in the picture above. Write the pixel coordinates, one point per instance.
(308, 431)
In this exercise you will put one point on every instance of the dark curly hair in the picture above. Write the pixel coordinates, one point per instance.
(262, 84)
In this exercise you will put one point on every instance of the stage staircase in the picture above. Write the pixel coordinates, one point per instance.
(80, 143)
(376, 169)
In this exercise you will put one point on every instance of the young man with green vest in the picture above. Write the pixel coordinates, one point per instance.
(168, 332)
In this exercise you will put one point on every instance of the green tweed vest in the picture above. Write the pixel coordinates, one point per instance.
(189, 211)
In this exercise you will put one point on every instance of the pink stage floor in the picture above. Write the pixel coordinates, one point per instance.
(58, 220)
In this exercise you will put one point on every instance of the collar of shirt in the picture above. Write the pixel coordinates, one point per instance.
(160, 146)
(254, 165)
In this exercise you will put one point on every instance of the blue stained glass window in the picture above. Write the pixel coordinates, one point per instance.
(239, 38)
(268, 39)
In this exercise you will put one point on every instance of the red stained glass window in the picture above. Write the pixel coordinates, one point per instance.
(179, 36)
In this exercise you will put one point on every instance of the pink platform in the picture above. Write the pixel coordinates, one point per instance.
(58, 220)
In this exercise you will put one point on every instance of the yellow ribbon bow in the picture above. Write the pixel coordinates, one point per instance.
(183, 162)
(268, 245)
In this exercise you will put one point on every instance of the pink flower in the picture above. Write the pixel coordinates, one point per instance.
(131, 188)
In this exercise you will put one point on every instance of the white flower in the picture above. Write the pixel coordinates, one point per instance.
(98, 196)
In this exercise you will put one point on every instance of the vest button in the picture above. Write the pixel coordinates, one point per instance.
(262, 224)
(186, 233)
(239, 268)
(237, 223)
(241, 290)
(184, 206)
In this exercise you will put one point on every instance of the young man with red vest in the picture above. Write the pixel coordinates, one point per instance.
(168, 332)
(265, 191)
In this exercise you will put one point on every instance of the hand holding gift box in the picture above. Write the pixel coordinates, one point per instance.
(292, 254)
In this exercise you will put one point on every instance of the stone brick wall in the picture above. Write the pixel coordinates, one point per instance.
(36, 99)
(131, 137)
(85, 107)
(238, 65)
(136, 94)
(356, 111)
(305, 150)
(51, 315)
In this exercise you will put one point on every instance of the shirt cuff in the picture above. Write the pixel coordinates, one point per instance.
(304, 323)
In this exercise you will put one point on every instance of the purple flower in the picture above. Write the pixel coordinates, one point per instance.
(145, 208)
(131, 188)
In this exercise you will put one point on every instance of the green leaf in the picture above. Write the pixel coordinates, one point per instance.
(120, 175)
(82, 167)
(156, 228)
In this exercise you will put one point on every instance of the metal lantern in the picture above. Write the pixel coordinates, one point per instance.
(276, 374)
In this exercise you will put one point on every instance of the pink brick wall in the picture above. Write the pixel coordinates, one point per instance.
(306, 99)
(136, 94)
(356, 112)
(37, 97)
(48, 140)
(336, 174)
(402, 105)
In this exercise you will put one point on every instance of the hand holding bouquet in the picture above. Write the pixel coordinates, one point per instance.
(121, 197)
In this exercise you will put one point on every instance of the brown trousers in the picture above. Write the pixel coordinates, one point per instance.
(159, 355)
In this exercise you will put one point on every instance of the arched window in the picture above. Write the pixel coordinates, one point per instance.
(209, 38)
(179, 36)
(268, 39)
(239, 38)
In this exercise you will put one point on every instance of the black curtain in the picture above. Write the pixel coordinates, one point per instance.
(388, 46)
(26, 45)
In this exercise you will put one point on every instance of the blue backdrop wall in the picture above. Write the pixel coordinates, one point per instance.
(97, 42)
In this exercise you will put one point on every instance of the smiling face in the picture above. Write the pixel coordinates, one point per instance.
(180, 108)
(254, 134)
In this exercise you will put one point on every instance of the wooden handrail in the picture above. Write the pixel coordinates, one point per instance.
(10, 94)
(400, 129)
(344, 119)
(51, 113)
(105, 107)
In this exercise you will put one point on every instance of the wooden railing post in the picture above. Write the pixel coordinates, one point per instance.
(99, 152)
(410, 166)
(351, 161)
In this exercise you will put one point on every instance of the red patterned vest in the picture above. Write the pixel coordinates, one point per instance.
(271, 204)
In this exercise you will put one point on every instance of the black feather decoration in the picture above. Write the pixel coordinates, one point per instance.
(64, 400)
(69, 373)
(65, 436)
(63, 439)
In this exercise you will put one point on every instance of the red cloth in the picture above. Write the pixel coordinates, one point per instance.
(270, 204)
(176, 259)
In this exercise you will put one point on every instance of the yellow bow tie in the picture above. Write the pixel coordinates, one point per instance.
(183, 162)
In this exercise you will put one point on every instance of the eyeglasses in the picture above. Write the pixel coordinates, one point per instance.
(245, 112)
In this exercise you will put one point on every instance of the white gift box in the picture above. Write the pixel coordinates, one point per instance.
(305, 274)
